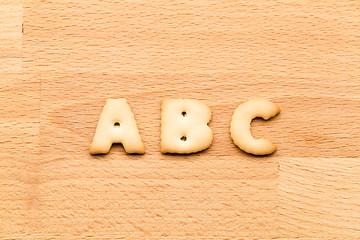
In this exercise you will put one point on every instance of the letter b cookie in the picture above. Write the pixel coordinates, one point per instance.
(184, 126)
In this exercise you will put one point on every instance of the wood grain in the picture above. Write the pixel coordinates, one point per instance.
(58, 70)
(10, 37)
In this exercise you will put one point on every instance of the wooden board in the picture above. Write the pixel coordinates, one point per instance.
(60, 60)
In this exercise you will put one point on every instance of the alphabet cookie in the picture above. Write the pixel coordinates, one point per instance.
(117, 125)
(240, 126)
(184, 126)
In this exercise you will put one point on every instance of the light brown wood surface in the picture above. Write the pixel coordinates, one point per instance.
(61, 59)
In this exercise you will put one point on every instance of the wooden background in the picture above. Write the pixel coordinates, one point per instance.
(61, 59)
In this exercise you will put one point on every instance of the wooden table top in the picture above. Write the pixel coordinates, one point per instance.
(61, 59)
